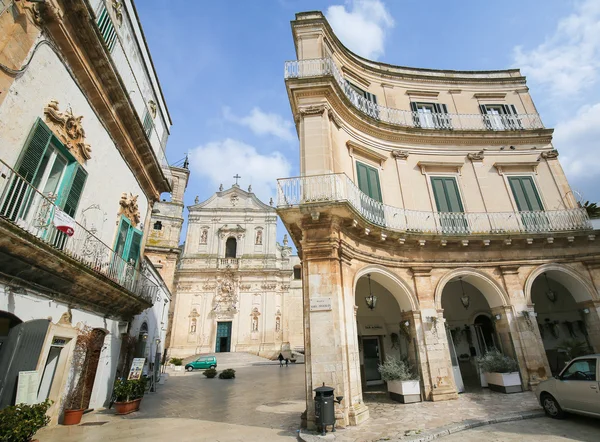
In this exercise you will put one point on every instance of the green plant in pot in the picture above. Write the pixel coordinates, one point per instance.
(501, 372)
(19, 423)
(210, 373)
(177, 362)
(402, 380)
(82, 379)
(128, 395)
(227, 374)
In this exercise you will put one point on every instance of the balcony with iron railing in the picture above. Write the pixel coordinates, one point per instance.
(70, 261)
(326, 67)
(323, 190)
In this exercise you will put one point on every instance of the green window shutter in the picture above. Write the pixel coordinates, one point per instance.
(134, 245)
(75, 191)
(31, 157)
(447, 197)
(525, 194)
(122, 236)
(148, 123)
(368, 181)
(107, 29)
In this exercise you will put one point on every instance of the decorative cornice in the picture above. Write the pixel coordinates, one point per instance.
(366, 152)
(550, 155)
(454, 165)
(490, 96)
(432, 94)
(502, 167)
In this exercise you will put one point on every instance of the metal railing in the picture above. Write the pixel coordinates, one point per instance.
(224, 263)
(321, 67)
(26, 207)
(338, 188)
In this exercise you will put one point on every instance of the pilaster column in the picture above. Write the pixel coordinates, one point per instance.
(592, 322)
(433, 334)
(417, 349)
(519, 332)
(330, 335)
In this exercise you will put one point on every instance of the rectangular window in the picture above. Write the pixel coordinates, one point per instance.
(106, 27)
(148, 123)
(449, 205)
(368, 183)
(431, 115)
(128, 242)
(369, 104)
(525, 193)
(500, 116)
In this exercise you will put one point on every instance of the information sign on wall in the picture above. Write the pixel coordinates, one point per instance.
(27, 387)
(320, 304)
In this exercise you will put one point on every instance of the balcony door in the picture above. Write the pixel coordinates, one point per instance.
(528, 203)
(127, 247)
(449, 205)
(368, 183)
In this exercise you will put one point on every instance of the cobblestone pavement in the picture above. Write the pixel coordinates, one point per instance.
(264, 403)
(577, 428)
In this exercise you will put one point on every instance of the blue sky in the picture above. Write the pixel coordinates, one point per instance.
(220, 65)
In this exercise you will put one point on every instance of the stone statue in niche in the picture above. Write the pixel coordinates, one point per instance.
(255, 314)
(193, 326)
(285, 240)
(204, 236)
(277, 324)
(259, 237)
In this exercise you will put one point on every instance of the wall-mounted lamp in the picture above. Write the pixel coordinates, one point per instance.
(144, 336)
(371, 300)
(585, 311)
(157, 341)
(498, 316)
(464, 299)
(407, 323)
(549, 293)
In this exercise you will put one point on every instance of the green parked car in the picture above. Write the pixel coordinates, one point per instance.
(202, 362)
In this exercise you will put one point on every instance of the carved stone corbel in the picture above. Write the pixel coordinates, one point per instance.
(550, 155)
(400, 154)
(476, 156)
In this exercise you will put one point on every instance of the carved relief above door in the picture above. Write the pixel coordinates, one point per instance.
(67, 127)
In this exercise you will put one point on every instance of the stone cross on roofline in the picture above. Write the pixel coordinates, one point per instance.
(237, 176)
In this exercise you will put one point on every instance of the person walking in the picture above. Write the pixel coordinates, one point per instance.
(286, 361)
(280, 357)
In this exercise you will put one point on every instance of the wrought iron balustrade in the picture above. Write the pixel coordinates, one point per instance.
(32, 211)
(338, 188)
(321, 67)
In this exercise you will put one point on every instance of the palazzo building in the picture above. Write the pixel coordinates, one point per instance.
(439, 193)
(83, 129)
(236, 288)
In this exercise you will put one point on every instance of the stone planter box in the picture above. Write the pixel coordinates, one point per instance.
(123, 408)
(405, 392)
(504, 382)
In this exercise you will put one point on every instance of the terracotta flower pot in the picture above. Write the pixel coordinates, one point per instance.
(127, 407)
(72, 417)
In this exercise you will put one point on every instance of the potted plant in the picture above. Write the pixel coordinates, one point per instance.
(501, 372)
(128, 395)
(74, 399)
(210, 373)
(177, 363)
(19, 423)
(402, 382)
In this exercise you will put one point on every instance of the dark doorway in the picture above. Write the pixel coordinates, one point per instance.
(372, 358)
(485, 334)
(230, 248)
(223, 344)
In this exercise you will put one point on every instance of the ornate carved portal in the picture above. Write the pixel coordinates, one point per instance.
(225, 303)
(129, 208)
(67, 127)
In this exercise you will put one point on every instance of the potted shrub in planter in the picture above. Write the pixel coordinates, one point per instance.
(128, 395)
(177, 364)
(210, 373)
(74, 399)
(19, 423)
(403, 384)
(227, 374)
(501, 372)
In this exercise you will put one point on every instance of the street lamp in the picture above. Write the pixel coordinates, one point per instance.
(371, 300)
(550, 294)
(464, 299)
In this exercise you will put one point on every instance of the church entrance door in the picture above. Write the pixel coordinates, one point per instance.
(223, 337)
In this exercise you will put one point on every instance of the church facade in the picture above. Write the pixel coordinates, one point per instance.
(237, 289)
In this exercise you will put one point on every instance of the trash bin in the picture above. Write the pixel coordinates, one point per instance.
(325, 408)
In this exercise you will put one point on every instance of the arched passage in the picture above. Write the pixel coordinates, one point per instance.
(382, 299)
(559, 296)
(467, 297)
(7, 322)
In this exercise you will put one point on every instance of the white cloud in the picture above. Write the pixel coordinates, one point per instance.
(568, 62)
(578, 142)
(362, 27)
(219, 161)
(263, 123)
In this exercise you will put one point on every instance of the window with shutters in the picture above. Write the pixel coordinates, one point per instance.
(369, 106)
(368, 183)
(106, 27)
(128, 242)
(48, 166)
(449, 205)
(500, 117)
(525, 193)
(148, 123)
(431, 115)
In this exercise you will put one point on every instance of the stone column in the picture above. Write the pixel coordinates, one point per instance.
(417, 350)
(434, 339)
(592, 322)
(527, 343)
(331, 346)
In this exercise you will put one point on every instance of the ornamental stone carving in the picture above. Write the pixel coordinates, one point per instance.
(129, 208)
(259, 235)
(117, 6)
(255, 314)
(152, 108)
(400, 154)
(476, 156)
(234, 200)
(550, 155)
(225, 303)
(67, 127)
